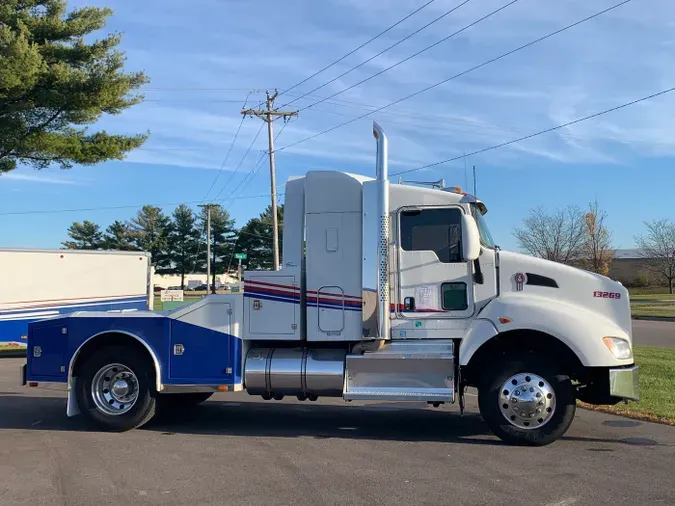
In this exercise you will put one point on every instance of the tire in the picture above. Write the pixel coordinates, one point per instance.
(107, 408)
(510, 409)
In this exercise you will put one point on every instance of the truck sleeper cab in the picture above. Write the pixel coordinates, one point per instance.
(386, 292)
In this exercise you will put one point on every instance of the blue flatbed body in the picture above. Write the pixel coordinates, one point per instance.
(210, 355)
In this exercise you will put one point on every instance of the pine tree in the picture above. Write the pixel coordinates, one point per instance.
(85, 235)
(255, 239)
(55, 79)
(223, 236)
(150, 230)
(183, 241)
(118, 237)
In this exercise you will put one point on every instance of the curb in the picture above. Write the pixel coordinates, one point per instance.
(13, 354)
(655, 318)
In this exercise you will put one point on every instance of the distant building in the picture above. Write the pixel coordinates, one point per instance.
(173, 280)
(629, 267)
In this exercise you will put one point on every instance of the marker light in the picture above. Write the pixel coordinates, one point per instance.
(620, 348)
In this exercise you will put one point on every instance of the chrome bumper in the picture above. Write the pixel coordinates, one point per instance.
(625, 383)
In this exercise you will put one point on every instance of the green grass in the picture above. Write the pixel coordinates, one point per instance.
(653, 296)
(186, 300)
(6, 349)
(648, 290)
(662, 310)
(657, 387)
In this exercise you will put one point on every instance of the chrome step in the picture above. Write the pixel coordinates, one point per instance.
(402, 370)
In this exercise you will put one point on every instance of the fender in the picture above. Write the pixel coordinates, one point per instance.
(575, 326)
(72, 408)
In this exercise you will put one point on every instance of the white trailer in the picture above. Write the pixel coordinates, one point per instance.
(386, 292)
(42, 283)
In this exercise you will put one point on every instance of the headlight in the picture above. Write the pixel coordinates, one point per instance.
(620, 348)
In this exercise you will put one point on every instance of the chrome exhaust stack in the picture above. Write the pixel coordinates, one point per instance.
(382, 171)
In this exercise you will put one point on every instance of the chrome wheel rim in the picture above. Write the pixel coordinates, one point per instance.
(114, 389)
(527, 401)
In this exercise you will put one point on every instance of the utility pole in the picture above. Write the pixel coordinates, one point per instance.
(208, 245)
(269, 115)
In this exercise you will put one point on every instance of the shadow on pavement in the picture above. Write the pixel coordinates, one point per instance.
(271, 419)
(379, 421)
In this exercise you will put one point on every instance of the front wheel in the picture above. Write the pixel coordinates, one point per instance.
(527, 402)
(115, 389)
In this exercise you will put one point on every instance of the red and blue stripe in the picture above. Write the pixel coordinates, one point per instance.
(291, 294)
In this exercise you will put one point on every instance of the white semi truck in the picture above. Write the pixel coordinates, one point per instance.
(386, 292)
(39, 283)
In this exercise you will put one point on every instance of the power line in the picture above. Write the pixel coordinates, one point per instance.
(557, 127)
(446, 13)
(170, 89)
(113, 208)
(357, 48)
(256, 167)
(483, 125)
(210, 101)
(269, 115)
(476, 67)
(222, 165)
(480, 20)
(241, 161)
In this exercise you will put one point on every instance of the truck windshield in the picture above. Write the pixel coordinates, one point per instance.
(483, 229)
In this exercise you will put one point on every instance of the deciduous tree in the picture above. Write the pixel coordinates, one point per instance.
(597, 249)
(657, 247)
(558, 236)
(55, 79)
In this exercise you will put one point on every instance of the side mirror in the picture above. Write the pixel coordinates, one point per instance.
(470, 238)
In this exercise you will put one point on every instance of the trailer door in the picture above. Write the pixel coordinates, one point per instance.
(433, 279)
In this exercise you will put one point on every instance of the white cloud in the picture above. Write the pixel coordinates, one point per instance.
(615, 58)
(39, 178)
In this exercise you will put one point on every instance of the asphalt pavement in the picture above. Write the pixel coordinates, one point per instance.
(238, 449)
(654, 333)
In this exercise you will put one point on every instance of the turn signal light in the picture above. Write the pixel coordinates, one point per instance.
(504, 319)
(620, 348)
(223, 388)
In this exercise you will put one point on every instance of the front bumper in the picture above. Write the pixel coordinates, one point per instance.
(624, 383)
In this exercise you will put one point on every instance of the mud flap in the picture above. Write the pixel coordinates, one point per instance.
(72, 409)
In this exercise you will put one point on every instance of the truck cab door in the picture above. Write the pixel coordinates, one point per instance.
(433, 281)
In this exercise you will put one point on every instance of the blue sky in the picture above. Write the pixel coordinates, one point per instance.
(204, 56)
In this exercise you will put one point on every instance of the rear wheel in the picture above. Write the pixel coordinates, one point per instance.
(527, 402)
(115, 389)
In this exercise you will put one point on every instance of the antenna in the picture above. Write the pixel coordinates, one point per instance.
(466, 178)
(474, 182)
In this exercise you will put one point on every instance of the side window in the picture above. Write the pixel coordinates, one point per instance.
(436, 230)
(453, 296)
